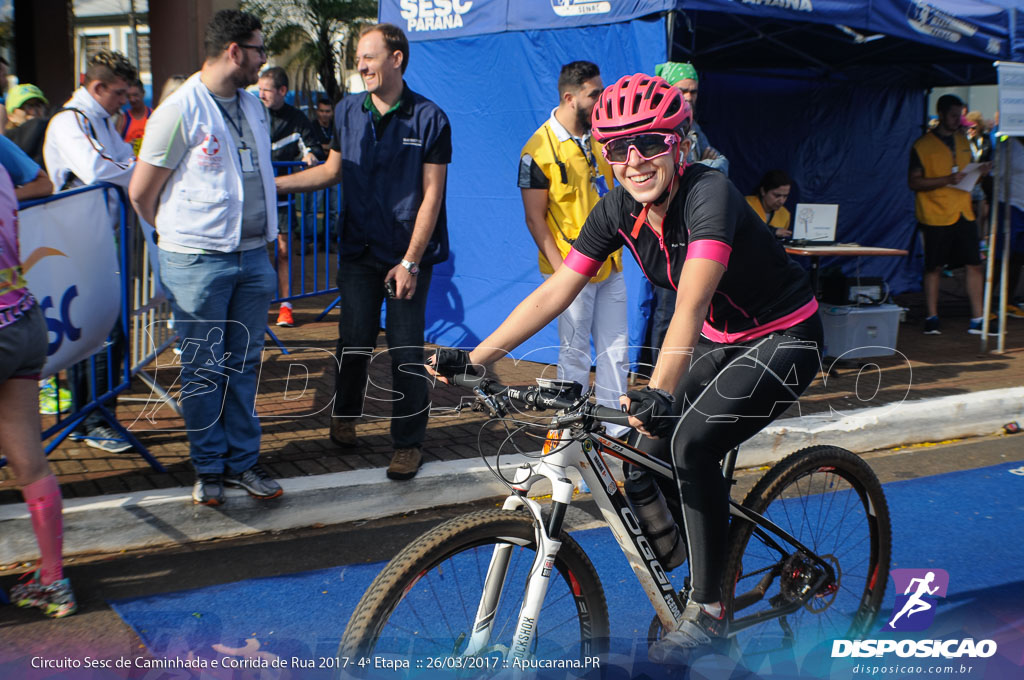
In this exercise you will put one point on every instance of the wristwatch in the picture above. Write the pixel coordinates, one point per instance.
(411, 267)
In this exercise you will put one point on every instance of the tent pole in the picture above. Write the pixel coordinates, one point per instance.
(670, 33)
(1004, 276)
(993, 227)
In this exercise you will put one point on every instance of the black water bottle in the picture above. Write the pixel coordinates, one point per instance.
(655, 519)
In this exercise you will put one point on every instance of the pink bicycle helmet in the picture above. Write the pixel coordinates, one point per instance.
(639, 103)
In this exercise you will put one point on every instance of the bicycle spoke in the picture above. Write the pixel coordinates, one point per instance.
(823, 505)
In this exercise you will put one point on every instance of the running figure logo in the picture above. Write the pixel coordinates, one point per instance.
(914, 610)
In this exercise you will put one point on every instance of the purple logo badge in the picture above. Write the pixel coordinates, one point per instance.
(917, 594)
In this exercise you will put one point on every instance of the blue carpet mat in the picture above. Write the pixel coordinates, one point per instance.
(969, 523)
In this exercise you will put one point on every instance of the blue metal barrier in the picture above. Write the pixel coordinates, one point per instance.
(118, 379)
(308, 222)
(309, 274)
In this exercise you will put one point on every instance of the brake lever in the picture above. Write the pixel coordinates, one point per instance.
(497, 410)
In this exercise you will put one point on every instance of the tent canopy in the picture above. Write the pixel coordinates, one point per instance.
(952, 40)
(832, 91)
(941, 42)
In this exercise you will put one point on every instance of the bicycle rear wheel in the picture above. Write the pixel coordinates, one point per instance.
(830, 500)
(423, 605)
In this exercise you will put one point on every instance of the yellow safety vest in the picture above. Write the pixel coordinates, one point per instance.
(942, 206)
(780, 220)
(569, 202)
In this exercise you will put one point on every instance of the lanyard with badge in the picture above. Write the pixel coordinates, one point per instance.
(244, 152)
(596, 178)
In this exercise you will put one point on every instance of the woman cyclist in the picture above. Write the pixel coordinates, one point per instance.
(742, 342)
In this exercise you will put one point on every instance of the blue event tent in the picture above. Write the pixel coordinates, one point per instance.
(833, 91)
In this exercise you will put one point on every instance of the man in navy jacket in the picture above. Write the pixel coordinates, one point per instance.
(391, 151)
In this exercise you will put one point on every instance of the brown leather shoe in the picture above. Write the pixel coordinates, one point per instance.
(405, 463)
(343, 432)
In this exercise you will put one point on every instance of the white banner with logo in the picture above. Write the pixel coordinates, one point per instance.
(1011, 98)
(69, 258)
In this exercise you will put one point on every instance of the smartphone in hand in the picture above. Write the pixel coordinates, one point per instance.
(389, 286)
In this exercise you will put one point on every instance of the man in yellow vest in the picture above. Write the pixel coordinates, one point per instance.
(945, 218)
(562, 175)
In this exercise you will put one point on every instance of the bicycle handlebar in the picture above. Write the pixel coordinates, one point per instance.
(535, 397)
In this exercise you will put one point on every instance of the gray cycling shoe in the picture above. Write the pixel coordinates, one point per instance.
(696, 629)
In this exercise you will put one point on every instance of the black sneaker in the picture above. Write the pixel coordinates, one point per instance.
(208, 489)
(257, 482)
(931, 326)
(697, 628)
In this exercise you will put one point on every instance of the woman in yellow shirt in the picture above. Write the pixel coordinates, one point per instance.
(768, 203)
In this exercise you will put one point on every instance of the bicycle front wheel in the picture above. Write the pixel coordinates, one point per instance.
(830, 500)
(424, 604)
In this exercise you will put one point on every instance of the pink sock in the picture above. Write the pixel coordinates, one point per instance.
(44, 506)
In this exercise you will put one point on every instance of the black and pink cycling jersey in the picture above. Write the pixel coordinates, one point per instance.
(762, 289)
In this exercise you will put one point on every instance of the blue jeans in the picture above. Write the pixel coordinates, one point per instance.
(361, 285)
(220, 304)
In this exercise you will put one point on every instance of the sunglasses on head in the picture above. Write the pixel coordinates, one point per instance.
(648, 145)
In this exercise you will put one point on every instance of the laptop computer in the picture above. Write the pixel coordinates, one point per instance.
(815, 223)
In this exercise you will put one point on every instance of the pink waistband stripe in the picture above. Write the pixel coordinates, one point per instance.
(581, 264)
(707, 249)
(793, 318)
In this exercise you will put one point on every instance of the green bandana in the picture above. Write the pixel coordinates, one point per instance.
(674, 71)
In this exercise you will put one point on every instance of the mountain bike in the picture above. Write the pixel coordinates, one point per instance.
(809, 550)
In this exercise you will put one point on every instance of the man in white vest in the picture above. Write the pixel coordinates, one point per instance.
(83, 147)
(204, 179)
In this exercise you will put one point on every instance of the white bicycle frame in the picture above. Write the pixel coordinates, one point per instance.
(553, 467)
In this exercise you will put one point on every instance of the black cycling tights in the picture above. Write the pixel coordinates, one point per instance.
(729, 394)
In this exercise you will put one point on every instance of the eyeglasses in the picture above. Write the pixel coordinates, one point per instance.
(648, 145)
(262, 49)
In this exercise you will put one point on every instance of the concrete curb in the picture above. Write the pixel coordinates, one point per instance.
(167, 517)
(910, 422)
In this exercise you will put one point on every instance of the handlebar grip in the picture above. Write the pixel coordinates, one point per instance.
(467, 380)
(611, 415)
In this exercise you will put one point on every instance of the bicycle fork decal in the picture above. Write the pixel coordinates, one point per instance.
(536, 590)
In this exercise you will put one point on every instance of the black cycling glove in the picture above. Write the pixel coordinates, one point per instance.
(654, 408)
(449, 361)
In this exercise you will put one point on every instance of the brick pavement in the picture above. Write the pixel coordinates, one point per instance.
(295, 390)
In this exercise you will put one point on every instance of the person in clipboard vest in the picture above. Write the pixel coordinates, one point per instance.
(938, 163)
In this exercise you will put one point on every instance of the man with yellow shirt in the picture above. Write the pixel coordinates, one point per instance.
(562, 175)
(944, 212)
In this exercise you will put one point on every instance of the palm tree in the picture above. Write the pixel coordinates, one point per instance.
(315, 33)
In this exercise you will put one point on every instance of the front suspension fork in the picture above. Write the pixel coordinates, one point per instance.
(540, 572)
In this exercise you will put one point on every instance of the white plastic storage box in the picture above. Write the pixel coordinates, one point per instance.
(854, 332)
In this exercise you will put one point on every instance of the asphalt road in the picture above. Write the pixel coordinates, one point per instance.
(98, 631)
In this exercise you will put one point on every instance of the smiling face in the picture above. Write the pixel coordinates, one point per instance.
(249, 59)
(646, 180)
(381, 70)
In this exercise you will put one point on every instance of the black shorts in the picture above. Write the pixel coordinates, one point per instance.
(953, 246)
(23, 346)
